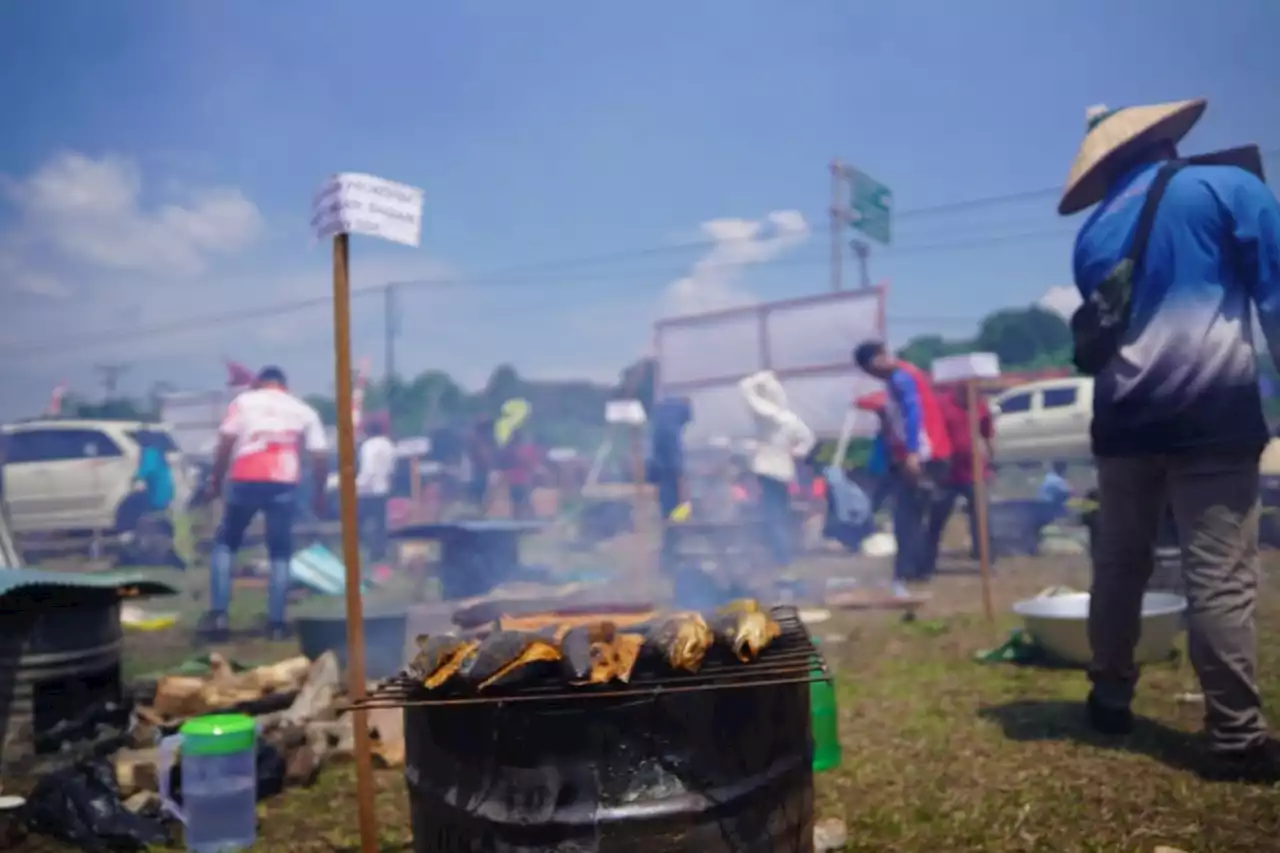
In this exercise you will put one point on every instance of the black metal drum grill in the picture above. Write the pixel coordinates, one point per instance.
(59, 674)
(715, 762)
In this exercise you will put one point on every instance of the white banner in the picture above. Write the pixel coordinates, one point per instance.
(354, 203)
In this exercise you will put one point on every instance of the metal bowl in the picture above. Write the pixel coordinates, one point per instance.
(385, 626)
(1058, 625)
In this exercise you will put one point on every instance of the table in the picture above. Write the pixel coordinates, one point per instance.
(475, 556)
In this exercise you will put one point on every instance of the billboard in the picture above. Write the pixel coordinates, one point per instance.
(807, 342)
(193, 418)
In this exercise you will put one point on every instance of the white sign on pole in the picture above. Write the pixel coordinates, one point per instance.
(354, 203)
(971, 365)
(630, 412)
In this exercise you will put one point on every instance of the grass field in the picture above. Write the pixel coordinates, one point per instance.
(942, 753)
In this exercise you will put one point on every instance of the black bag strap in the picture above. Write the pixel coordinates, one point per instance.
(1138, 250)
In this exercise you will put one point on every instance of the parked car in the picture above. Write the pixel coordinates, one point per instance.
(1044, 420)
(76, 476)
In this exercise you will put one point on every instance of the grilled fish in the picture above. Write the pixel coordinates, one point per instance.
(614, 659)
(746, 633)
(576, 646)
(439, 657)
(503, 653)
(683, 639)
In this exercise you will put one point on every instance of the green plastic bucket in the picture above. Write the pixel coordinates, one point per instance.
(824, 722)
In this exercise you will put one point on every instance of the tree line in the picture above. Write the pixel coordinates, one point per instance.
(571, 413)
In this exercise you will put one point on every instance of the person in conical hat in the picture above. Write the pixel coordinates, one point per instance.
(1117, 139)
(1177, 414)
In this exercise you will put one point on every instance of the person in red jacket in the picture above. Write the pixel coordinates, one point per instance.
(919, 451)
(958, 481)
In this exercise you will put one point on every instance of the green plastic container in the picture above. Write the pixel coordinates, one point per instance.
(824, 722)
(219, 782)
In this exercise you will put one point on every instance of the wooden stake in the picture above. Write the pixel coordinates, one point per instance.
(980, 498)
(350, 539)
(415, 486)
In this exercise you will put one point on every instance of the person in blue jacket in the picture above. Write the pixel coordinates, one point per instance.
(1177, 414)
(154, 474)
(665, 467)
(1054, 493)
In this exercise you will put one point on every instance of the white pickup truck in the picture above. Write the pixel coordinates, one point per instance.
(1043, 421)
(1047, 420)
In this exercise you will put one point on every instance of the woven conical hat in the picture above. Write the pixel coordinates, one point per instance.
(1114, 133)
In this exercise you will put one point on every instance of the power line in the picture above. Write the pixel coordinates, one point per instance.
(515, 276)
(684, 246)
(520, 274)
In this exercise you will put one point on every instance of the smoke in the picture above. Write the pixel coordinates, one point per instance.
(714, 282)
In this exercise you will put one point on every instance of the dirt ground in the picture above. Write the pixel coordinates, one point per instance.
(940, 753)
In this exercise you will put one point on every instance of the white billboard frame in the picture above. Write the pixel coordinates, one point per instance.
(724, 382)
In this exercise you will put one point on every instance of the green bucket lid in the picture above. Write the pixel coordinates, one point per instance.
(219, 734)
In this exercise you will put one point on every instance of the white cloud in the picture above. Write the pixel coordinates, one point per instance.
(78, 217)
(714, 282)
(1061, 299)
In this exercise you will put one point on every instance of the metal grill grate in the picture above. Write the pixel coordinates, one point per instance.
(790, 659)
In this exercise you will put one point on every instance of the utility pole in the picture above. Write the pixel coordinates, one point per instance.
(862, 250)
(837, 225)
(110, 374)
(390, 330)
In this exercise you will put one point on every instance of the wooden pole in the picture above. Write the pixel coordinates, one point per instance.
(350, 540)
(980, 498)
(415, 488)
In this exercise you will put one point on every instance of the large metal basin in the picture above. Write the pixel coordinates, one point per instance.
(1058, 624)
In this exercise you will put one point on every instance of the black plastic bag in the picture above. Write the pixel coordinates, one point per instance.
(81, 805)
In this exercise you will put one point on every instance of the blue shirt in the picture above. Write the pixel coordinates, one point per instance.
(666, 449)
(1186, 377)
(153, 472)
(1055, 491)
(906, 418)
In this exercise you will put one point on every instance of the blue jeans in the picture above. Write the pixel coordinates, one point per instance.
(940, 512)
(372, 513)
(277, 502)
(910, 510)
(775, 520)
(668, 499)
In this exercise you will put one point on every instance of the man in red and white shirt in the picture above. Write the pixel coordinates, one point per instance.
(261, 440)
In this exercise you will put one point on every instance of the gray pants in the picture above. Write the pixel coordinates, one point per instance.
(1215, 506)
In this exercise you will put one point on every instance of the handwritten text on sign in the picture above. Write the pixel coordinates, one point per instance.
(353, 203)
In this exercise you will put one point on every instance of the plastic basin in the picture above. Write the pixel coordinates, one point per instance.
(1059, 625)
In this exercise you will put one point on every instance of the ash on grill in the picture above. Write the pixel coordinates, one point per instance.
(718, 760)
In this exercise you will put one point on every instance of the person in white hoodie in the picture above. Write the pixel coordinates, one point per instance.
(781, 439)
(375, 472)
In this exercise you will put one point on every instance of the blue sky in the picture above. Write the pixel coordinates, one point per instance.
(180, 143)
